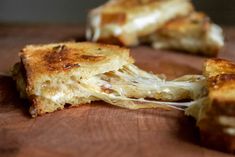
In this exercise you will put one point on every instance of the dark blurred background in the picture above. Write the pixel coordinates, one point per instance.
(74, 11)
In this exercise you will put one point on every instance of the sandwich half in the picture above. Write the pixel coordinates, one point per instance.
(124, 21)
(57, 75)
(216, 114)
(50, 73)
(193, 33)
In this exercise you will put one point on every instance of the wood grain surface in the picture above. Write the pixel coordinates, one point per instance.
(97, 129)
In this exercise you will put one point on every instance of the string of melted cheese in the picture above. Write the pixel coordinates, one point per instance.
(129, 86)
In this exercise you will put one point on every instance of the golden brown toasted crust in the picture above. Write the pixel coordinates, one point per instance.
(221, 85)
(193, 33)
(216, 66)
(221, 93)
(66, 57)
(184, 24)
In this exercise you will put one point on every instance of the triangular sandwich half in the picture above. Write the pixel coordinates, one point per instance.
(52, 72)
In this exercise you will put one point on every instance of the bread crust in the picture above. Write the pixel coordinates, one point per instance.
(217, 66)
(221, 85)
(192, 33)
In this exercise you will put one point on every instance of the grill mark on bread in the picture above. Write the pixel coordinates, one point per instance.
(92, 58)
(58, 58)
(57, 55)
(69, 65)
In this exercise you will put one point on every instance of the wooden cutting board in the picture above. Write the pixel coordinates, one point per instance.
(97, 129)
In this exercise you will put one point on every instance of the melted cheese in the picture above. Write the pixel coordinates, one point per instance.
(127, 87)
(62, 90)
(215, 36)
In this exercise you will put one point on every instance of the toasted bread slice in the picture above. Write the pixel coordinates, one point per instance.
(220, 76)
(216, 116)
(72, 57)
(124, 21)
(194, 33)
(216, 67)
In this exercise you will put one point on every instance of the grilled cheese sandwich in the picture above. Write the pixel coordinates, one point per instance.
(169, 24)
(55, 75)
(123, 22)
